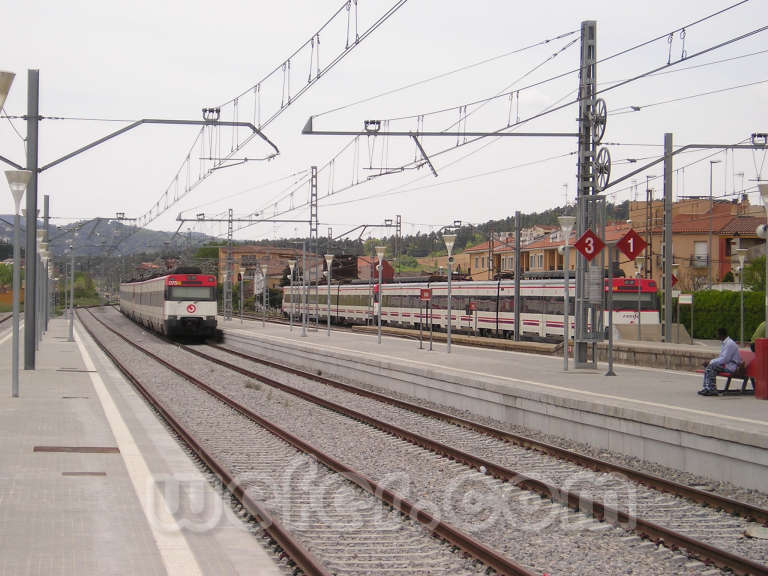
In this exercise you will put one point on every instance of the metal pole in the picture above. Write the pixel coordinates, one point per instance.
(678, 319)
(693, 300)
(421, 325)
(72, 297)
(639, 326)
(668, 255)
(741, 281)
(448, 341)
(711, 209)
(264, 317)
(380, 301)
(329, 299)
(290, 312)
(45, 239)
(66, 289)
(566, 264)
(38, 286)
(240, 297)
(30, 290)
(16, 290)
(518, 269)
(429, 304)
(610, 311)
(47, 297)
(304, 287)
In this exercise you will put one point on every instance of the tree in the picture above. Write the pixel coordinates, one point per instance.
(6, 275)
(754, 274)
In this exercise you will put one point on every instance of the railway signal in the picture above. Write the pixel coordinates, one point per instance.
(589, 244)
(631, 244)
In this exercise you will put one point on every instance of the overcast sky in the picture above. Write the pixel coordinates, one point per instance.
(158, 59)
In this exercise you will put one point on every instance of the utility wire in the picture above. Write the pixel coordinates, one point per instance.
(599, 61)
(638, 108)
(445, 74)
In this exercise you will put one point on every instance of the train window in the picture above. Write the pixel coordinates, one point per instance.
(178, 293)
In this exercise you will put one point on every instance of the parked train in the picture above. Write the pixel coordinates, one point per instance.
(485, 307)
(182, 303)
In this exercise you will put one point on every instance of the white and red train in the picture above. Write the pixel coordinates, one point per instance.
(484, 307)
(182, 303)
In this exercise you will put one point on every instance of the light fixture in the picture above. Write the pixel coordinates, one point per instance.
(380, 251)
(6, 79)
(17, 179)
(450, 240)
(566, 225)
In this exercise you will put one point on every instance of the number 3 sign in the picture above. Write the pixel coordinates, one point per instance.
(589, 245)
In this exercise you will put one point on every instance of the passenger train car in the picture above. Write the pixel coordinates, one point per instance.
(182, 303)
(484, 307)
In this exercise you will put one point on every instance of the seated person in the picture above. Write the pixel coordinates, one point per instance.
(728, 361)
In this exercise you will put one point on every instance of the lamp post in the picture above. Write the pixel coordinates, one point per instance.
(764, 195)
(675, 268)
(40, 235)
(566, 225)
(72, 293)
(17, 182)
(380, 250)
(264, 269)
(329, 260)
(711, 208)
(304, 287)
(741, 254)
(291, 266)
(450, 240)
(639, 263)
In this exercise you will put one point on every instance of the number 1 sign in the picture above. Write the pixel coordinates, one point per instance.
(631, 244)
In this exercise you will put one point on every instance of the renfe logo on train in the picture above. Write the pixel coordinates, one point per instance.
(191, 308)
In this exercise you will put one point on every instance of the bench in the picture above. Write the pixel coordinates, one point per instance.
(750, 373)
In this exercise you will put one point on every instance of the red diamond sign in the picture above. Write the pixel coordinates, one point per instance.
(631, 244)
(589, 245)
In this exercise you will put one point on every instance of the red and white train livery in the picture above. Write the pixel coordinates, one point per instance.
(182, 303)
(482, 307)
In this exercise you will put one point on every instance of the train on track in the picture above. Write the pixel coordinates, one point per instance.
(481, 307)
(181, 303)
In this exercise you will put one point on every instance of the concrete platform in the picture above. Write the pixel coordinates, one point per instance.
(648, 412)
(92, 483)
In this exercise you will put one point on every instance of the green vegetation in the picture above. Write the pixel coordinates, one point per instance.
(6, 275)
(85, 291)
(754, 274)
(713, 309)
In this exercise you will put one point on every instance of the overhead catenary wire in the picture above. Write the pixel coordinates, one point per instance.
(635, 77)
(663, 36)
(445, 74)
(637, 108)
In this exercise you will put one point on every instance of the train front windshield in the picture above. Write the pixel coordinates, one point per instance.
(197, 293)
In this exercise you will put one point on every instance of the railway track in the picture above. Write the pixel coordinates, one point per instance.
(361, 537)
(553, 493)
(664, 510)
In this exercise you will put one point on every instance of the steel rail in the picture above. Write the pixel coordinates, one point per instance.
(444, 530)
(573, 500)
(303, 558)
(741, 509)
